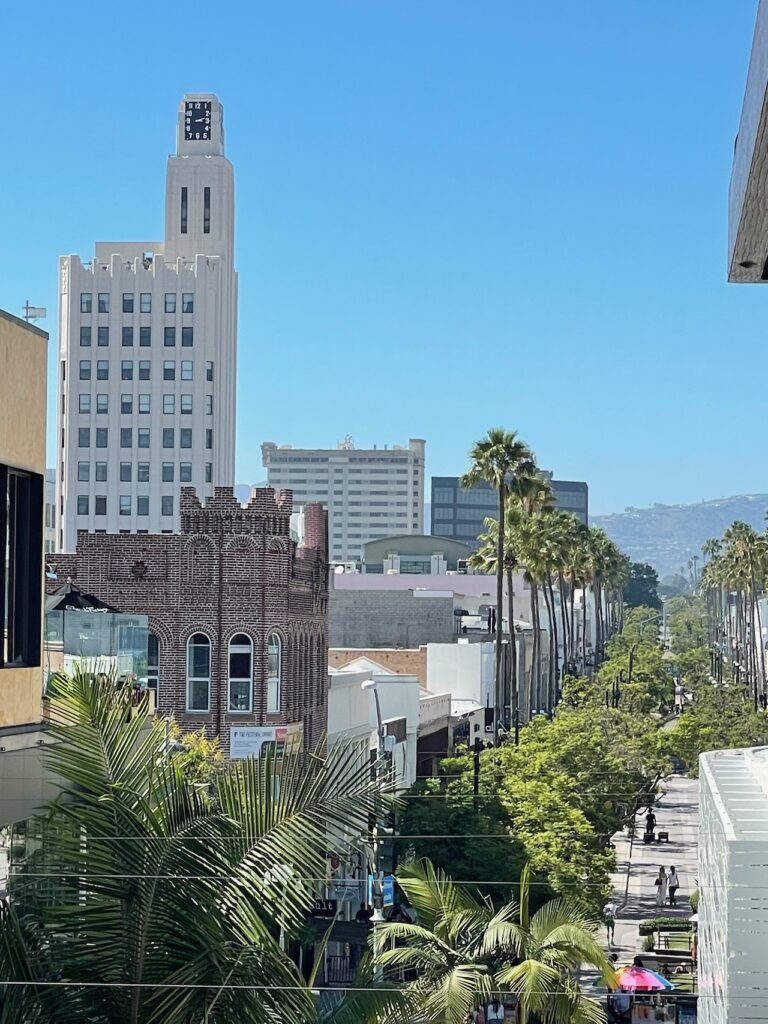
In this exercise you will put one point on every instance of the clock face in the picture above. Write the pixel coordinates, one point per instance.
(197, 120)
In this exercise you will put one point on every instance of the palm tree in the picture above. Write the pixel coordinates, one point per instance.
(167, 896)
(499, 459)
(464, 952)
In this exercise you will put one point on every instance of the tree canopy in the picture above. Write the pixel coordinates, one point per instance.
(642, 587)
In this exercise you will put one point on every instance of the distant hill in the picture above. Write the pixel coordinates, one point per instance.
(667, 536)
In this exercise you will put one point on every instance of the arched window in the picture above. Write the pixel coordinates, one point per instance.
(240, 672)
(274, 671)
(153, 661)
(199, 673)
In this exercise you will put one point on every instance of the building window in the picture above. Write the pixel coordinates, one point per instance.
(126, 369)
(144, 403)
(84, 437)
(102, 437)
(186, 337)
(103, 337)
(142, 471)
(169, 337)
(126, 470)
(100, 502)
(208, 472)
(206, 210)
(169, 405)
(198, 673)
(240, 673)
(209, 438)
(188, 302)
(102, 369)
(125, 504)
(167, 473)
(127, 302)
(21, 570)
(103, 302)
(102, 403)
(126, 404)
(84, 472)
(169, 370)
(145, 337)
(126, 437)
(84, 403)
(143, 437)
(86, 302)
(187, 369)
(209, 405)
(185, 437)
(184, 210)
(127, 337)
(85, 369)
(142, 505)
(101, 472)
(185, 472)
(153, 661)
(145, 302)
(166, 505)
(186, 405)
(168, 437)
(144, 371)
(82, 504)
(274, 671)
(85, 337)
(170, 302)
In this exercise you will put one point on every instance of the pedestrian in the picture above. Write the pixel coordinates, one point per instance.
(661, 887)
(610, 910)
(650, 820)
(480, 1015)
(495, 1012)
(673, 884)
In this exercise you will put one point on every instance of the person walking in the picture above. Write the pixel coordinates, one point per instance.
(673, 884)
(661, 887)
(610, 910)
(650, 820)
(495, 1012)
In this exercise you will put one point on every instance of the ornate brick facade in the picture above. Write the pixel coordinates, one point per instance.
(232, 569)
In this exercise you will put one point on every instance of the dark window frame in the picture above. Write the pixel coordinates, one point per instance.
(21, 567)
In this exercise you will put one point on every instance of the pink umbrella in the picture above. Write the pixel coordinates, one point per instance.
(641, 979)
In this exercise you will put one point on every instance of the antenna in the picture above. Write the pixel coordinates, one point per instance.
(34, 312)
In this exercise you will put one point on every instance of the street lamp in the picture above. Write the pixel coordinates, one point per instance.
(633, 648)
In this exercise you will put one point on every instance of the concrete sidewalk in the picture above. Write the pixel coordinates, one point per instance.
(677, 812)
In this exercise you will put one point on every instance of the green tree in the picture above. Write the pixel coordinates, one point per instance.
(167, 898)
(642, 587)
(464, 952)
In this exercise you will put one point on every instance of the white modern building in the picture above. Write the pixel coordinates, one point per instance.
(733, 907)
(50, 534)
(148, 352)
(369, 493)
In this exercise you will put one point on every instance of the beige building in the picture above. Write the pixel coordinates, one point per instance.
(23, 370)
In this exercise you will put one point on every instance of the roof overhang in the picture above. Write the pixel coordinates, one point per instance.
(748, 198)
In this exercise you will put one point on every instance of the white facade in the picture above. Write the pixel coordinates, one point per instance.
(369, 493)
(733, 874)
(148, 352)
(50, 534)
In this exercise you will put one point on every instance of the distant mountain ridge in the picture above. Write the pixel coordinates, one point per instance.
(668, 536)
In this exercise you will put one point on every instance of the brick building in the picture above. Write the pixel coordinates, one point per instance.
(237, 612)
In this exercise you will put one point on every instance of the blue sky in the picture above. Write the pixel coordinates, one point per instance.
(451, 215)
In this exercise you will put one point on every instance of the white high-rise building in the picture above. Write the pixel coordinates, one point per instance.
(148, 352)
(369, 493)
(733, 905)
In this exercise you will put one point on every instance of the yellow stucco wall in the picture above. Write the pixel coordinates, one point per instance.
(23, 369)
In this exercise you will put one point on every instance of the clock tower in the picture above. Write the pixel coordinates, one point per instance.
(200, 192)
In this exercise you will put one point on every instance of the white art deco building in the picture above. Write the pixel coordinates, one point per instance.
(733, 882)
(148, 352)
